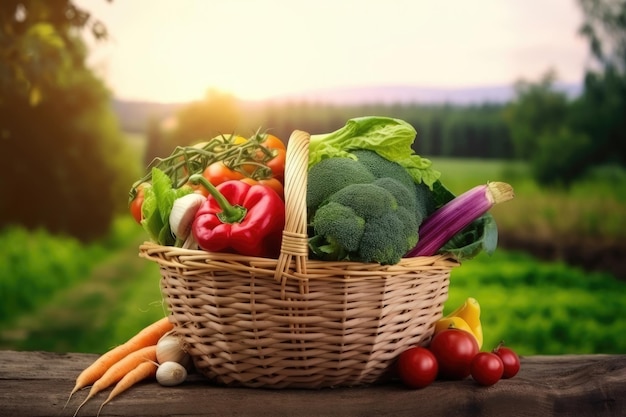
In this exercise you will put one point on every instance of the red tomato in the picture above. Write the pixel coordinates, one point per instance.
(218, 172)
(486, 368)
(273, 183)
(135, 205)
(509, 359)
(272, 142)
(278, 149)
(454, 350)
(417, 367)
(277, 163)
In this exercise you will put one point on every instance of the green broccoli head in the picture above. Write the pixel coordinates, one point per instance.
(426, 202)
(383, 240)
(331, 175)
(382, 167)
(406, 197)
(339, 230)
(367, 200)
(363, 222)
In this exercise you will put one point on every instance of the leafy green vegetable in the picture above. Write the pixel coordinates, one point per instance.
(157, 205)
(481, 235)
(390, 138)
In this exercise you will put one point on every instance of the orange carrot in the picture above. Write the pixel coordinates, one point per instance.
(143, 371)
(150, 335)
(117, 371)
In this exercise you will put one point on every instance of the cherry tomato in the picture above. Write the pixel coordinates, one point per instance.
(218, 172)
(417, 367)
(273, 183)
(454, 350)
(510, 359)
(278, 149)
(486, 368)
(277, 163)
(272, 142)
(198, 188)
(135, 205)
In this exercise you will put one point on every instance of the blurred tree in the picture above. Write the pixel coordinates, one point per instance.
(604, 26)
(156, 145)
(65, 165)
(538, 108)
(601, 110)
(600, 113)
(563, 139)
(217, 114)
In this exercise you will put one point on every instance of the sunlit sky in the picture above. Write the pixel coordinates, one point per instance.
(172, 51)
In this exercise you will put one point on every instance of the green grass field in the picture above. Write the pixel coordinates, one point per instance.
(536, 307)
(595, 208)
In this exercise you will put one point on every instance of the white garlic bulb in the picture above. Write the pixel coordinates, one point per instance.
(171, 373)
(169, 350)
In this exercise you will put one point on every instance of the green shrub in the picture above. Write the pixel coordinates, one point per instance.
(542, 308)
(36, 264)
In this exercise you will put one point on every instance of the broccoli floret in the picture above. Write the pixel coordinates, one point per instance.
(366, 213)
(382, 167)
(331, 175)
(426, 203)
(406, 197)
(383, 240)
(367, 200)
(411, 226)
(328, 220)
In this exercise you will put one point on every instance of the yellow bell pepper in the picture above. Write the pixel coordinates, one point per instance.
(465, 317)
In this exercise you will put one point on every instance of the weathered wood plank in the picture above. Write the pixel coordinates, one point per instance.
(37, 384)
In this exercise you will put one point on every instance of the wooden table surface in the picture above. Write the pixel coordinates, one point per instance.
(38, 383)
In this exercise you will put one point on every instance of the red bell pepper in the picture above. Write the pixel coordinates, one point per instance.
(241, 218)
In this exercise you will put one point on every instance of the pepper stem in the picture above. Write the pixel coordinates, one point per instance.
(230, 213)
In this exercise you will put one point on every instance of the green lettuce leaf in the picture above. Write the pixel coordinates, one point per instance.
(157, 206)
(390, 138)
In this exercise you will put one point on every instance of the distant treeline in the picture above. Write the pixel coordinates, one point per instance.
(476, 131)
(469, 131)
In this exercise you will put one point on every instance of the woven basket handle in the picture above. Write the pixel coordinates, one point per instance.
(295, 240)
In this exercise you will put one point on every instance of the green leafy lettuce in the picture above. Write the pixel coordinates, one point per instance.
(157, 205)
(390, 138)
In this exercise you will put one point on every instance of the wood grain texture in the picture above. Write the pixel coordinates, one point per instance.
(38, 383)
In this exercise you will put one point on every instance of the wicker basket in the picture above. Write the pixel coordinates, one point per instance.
(293, 322)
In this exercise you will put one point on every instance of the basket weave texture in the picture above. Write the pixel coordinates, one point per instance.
(295, 322)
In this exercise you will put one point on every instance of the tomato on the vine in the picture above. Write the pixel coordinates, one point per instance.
(417, 367)
(510, 359)
(277, 163)
(273, 183)
(454, 350)
(272, 142)
(136, 203)
(486, 368)
(218, 172)
(279, 151)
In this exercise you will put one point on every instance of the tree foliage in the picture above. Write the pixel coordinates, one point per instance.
(563, 139)
(65, 165)
(472, 131)
(604, 26)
